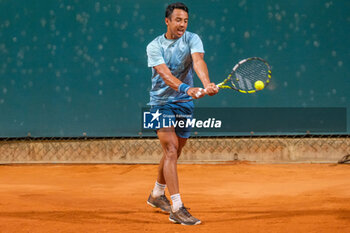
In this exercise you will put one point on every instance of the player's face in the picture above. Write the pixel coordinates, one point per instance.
(177, 24)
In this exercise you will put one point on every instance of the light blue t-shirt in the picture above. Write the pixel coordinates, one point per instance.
(176, 54)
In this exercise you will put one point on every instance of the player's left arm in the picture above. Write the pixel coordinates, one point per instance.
(201, 69)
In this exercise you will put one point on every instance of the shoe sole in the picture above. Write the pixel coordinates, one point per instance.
(174, 221)
(154, 206)
(149, 203)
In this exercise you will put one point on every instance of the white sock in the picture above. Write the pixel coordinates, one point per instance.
(176, 200)
(158, 189)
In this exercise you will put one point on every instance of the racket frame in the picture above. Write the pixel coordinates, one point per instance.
(223, 84)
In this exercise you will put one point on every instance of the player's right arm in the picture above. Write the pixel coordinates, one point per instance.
(156, 61)
(174, 82)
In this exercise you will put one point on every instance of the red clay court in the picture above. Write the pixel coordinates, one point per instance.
(238, 197)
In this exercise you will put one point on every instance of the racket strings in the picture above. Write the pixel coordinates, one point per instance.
(248, 73)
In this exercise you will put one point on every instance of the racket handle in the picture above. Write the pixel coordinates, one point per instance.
(201, 90)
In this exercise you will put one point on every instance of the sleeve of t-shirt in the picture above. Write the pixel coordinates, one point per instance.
(154, 55)
(196, 44)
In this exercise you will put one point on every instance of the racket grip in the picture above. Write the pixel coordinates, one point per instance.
(201, 90)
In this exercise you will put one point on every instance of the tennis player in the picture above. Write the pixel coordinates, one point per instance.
(174, 56)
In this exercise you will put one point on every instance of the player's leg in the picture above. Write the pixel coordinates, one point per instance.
(182, 143)
(180, 214)
(160, 178)
(172, 143)
(168, 164)
(160, 185)
(167, 137)
(173, 140)
(167, 171)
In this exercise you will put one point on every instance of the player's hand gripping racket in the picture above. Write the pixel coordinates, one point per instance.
(248, 76)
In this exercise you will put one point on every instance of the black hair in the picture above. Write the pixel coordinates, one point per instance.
(178, 5)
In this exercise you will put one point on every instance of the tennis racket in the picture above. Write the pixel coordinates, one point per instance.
(248, 76)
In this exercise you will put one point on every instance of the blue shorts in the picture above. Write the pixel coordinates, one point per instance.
(175, 113)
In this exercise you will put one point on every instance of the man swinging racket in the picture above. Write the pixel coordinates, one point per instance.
(173, 56)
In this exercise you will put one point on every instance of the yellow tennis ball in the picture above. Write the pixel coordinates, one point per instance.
(259, 85)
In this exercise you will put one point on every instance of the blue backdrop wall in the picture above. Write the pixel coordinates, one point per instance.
(69, 68)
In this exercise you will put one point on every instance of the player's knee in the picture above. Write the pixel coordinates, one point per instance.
(171, 152)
